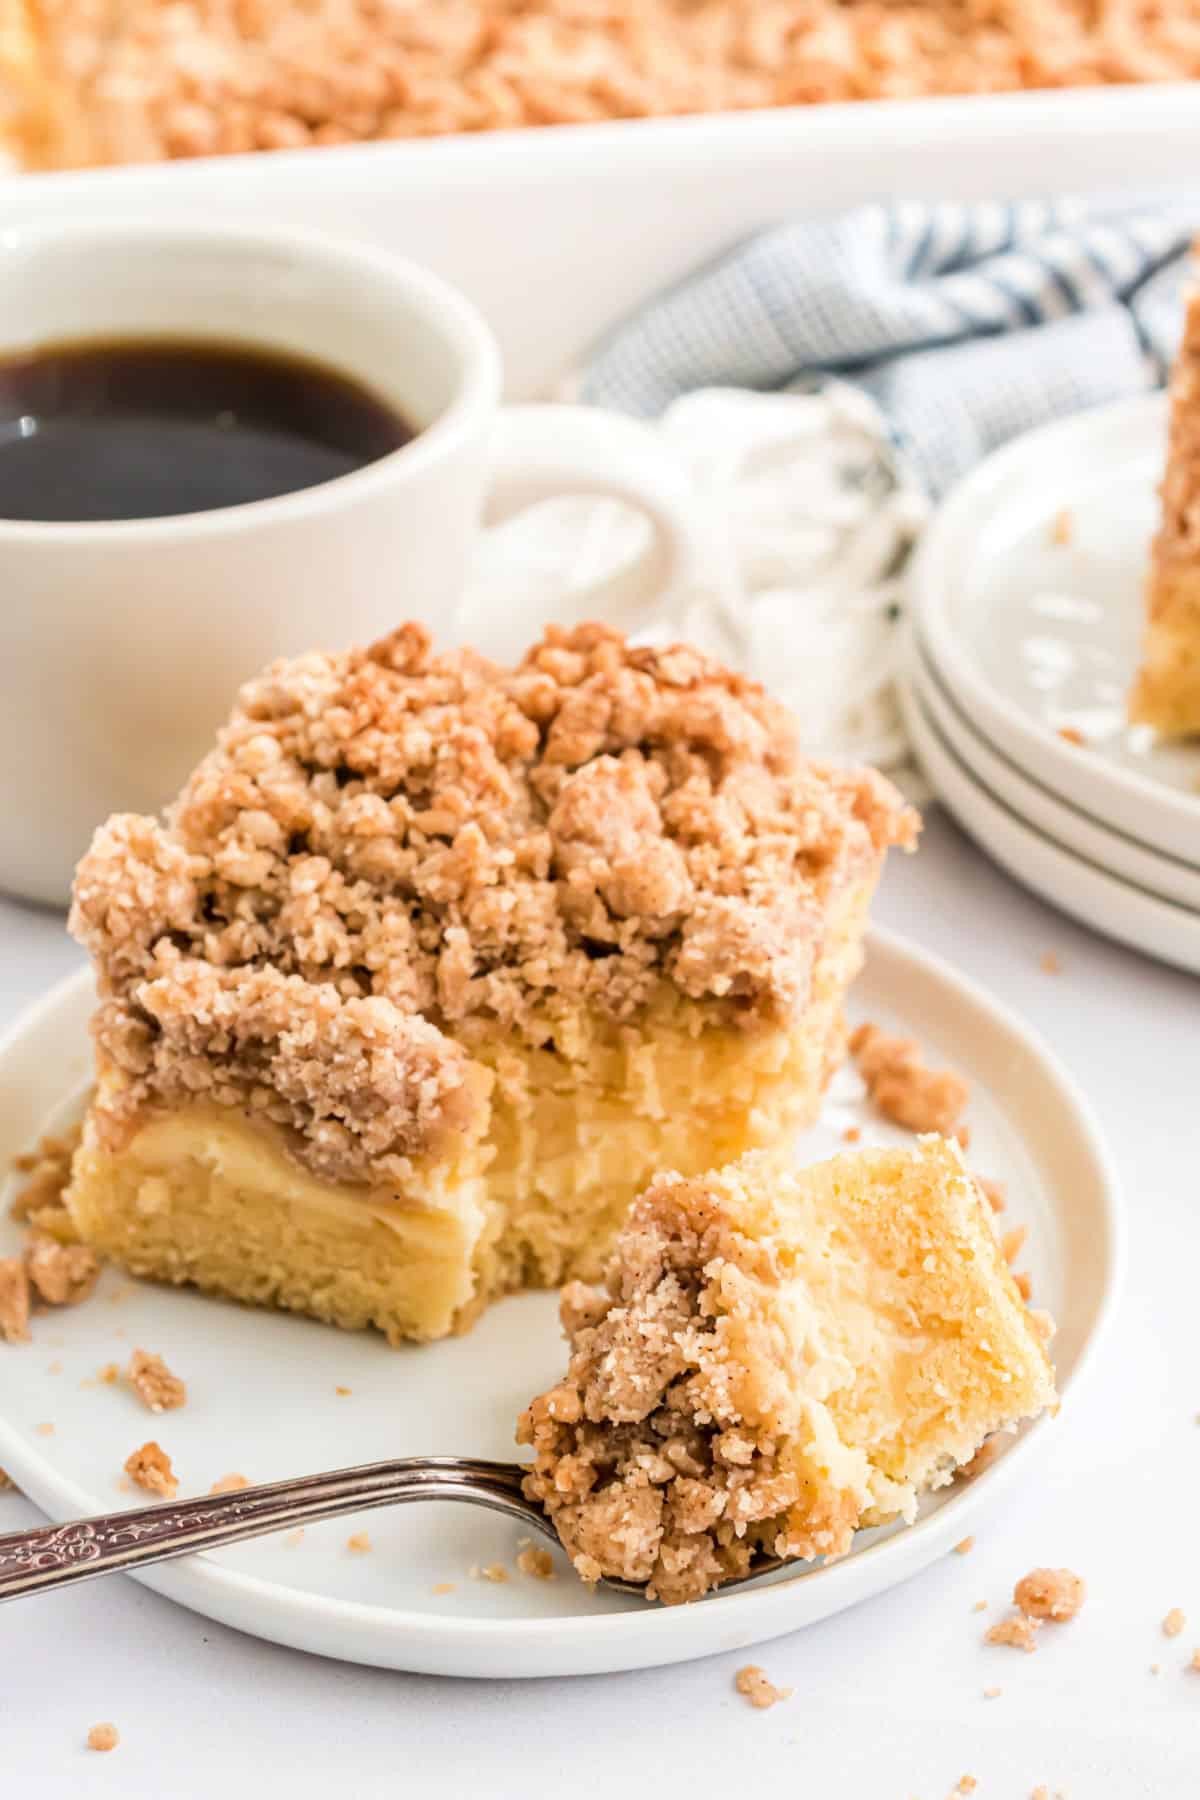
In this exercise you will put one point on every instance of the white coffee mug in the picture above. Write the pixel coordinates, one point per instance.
(122, 643)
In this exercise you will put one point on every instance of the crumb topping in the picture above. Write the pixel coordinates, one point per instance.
(1174, 1622)
(153, 1383)
(103, 1737)
(751, 1682)
(48, 1172)
(901, 1086)
(391, 848)
(1019, 1632)
(203, 77)
(150, 1468)
(1056, 1594)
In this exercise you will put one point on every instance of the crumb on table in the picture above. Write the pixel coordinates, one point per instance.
(902, 1087)
(752, 1683)
(14, 1301)
(1017, 1632)
(153, 1383)
(229, 1484)
(1056, 1594)
(1174, 1622)
(537, 1563)
(103, 1737)
(150, 1468)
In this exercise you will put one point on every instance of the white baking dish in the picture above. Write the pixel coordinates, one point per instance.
(558, 233)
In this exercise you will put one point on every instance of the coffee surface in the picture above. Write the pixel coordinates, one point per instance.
(145, 428)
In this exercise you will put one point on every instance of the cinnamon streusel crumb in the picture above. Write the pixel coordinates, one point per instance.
(14, 1300)
(49, 1172)
(964, 1546)
(103, 1737)
(751, 1682)
(229, 1484)
(1174, 1622)
(153, 1383)
(1018, 1632)
(392, 848)
(150, 1467)
(903, 1089)
(537, 1563)
(966, 1784)
(1056, 1594)
(358, 1543)
(61, 1274)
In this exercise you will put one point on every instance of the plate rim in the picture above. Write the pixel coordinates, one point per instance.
(952, 527)
(1169, 913)
(959, 737)
(419, 1641)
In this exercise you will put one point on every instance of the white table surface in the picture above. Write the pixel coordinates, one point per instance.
(889, 1701)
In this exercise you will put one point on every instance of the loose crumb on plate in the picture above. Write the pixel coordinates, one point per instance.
(45, 1429)
(1062, 527)
(902, 1087)
(1195, 1662)
(966, 1784)
(1017, 1632)
(1040, 1792)
(994, 1192)
(103, 1737)
(992, 1693)
(150, 1468)
(14, 1301)
(108, 1373)
(443, 1587)
(1156, 1668)
(61, 1274)
(1174, 1622)
(54, 1368)
(359, 1543)
(1056, 1594)
(964, 1545)
(1013, 1242)
(1070, 735)
(537, 1563)
(291, 1539)
(752, 1683)
(494, 1572)
(979, 1606)
(229, 1484)
(343, 1390)
(851, 1134)
(1049, 963)
(153, 1383)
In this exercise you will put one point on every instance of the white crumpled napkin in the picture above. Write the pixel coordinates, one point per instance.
(810, 524)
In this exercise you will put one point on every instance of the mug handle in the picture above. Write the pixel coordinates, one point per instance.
(550, 451)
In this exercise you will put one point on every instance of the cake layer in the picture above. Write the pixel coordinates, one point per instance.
(778, 1358)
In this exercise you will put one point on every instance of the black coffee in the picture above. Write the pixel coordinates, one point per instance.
(144, 428)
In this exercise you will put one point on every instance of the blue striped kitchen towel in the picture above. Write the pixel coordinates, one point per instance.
(965, 323)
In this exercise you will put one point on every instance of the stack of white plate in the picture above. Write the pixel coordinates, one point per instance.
(1026, 614)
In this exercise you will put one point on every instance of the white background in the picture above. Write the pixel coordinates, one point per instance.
(889, 1701)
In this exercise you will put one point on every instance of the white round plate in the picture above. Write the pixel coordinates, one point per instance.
(1163, 876)
(262, 1397)
(1032, 636)
(1156, 927)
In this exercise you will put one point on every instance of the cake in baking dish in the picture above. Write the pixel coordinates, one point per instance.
(1166, 693)
(775, 1359)
(128, 81)
(435, 963)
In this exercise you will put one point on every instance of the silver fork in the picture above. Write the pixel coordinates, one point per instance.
(55, 1556)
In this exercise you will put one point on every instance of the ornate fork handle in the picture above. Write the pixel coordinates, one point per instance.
(57, 1555)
